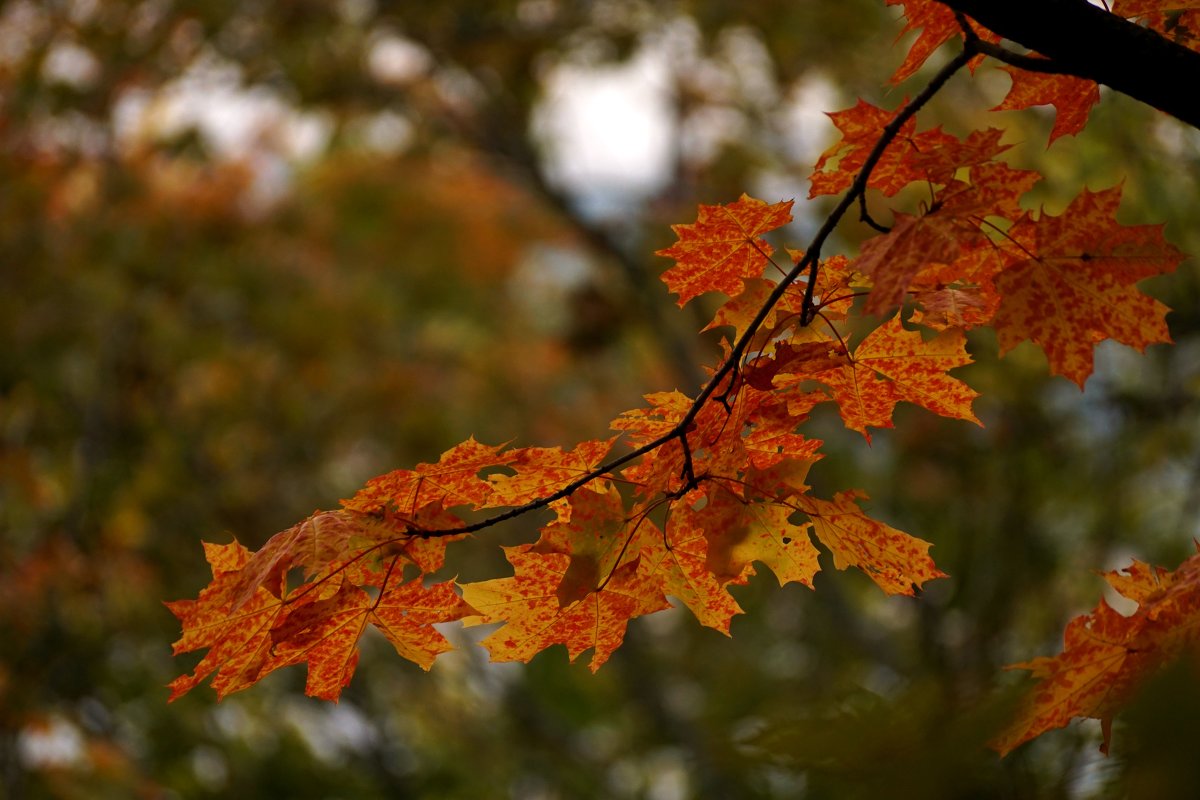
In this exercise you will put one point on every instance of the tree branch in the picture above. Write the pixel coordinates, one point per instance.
(1089, 42)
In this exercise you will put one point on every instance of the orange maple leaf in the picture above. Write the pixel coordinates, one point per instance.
(1106, 655)
(238, 642)
(327, 540)
(838, 283)
(714, 441)
(771, 436)
(680, 562)
(931, 156)
(452, 481)
(542, 471)
(533, 618)
(325, 633)
(937, 25)
(722, 247)
(951, 224)
(892, 365)
(944, 307)
(1071, 97)
(1072, 282)
(740, 532)
(595, 532)
(319, 623)
(898, 562)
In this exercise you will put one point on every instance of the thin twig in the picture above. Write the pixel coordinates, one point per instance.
(865, 215)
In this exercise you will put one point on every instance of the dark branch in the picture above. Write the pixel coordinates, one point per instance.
(1089, 42)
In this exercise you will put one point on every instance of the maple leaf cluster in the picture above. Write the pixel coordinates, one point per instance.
(714, 487)
(1107, 655)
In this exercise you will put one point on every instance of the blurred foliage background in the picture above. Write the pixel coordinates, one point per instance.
(252, 254)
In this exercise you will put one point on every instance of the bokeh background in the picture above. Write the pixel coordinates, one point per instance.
(252, 254)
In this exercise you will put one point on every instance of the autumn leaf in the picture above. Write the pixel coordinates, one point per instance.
(533, 618)
(722, 247)
(644, 425)
(325, 633)
(1106, 655)
(805, 358)
(893, 365)
(329, 538)
(714, 441)
(860, 126)
(1072, 282)
(937, 25)
(954, 222)
(318, 623)
(1071, 97)
(741, 532)
(898, 562)
(238, 641)
(839, 282)
(452, 481)
(892, 260)
(542, 471)
(595, 532)
(944, 307)
(772, 436)
(679, 561)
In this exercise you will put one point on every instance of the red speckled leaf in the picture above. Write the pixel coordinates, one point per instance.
(937, 25)
(805, 358)
(405, 615)
(714, 440)
(325, 633)
(1071, 97)
(1072, 282)
(893, 259)
(838, 283)
(953, 307)
(951, 224)
(528, 605)
(772, 437)
(860, 127)
(542, 471)
(328, 539)
(722, 247)
(896, 561)
(680, 563)
(1106, 655)
(893, 364)
(452, 481)
(594, 530)
(644, 425)
(238, 642)
(741, 532)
